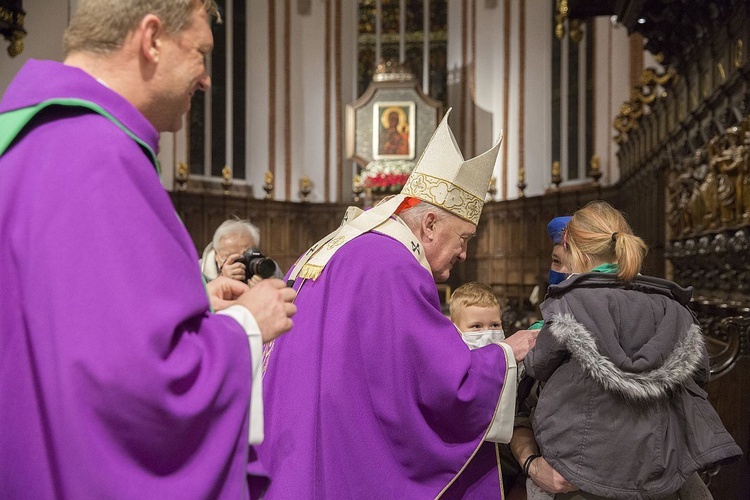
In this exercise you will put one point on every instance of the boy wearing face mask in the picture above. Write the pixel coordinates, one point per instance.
(475, 311)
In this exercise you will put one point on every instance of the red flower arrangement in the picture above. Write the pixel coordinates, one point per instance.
(386, 176)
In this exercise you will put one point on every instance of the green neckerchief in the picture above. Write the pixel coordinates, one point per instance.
(13, 122)
(609, 267)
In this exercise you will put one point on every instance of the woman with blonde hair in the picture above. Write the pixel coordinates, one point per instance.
(621, 356)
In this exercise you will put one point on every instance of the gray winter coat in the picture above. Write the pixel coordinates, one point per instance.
(621, 413)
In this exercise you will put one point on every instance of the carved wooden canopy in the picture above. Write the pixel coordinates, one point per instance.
(669, 26)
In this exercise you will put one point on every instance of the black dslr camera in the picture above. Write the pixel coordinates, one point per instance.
(257, 263)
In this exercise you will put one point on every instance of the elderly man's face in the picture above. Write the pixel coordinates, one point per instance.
(233, 244)
(450, 238)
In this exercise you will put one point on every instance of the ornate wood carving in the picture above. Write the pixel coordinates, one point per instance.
(686, 153)
(286, 229)
(11, 25)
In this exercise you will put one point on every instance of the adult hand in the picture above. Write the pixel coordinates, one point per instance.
(224, 292)
(254, 280)
(270, 303)
(232, 269)
(521, 342)
(547, 478)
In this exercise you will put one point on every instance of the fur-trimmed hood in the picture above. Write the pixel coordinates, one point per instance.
(679, 365)
(637, 339)
(621, 365)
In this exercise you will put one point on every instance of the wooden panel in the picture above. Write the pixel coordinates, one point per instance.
(286, 229)
(512, 253)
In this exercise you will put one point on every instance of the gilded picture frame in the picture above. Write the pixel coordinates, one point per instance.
(394, 130)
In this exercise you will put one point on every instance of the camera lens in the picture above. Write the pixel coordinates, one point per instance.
(262, 266)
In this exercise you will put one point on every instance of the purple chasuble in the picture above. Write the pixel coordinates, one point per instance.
(373, 394)
(115, 380)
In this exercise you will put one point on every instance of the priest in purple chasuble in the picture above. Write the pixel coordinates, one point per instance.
(116, 379)
(373, 393)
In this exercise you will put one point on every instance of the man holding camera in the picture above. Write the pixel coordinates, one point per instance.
(234, 253)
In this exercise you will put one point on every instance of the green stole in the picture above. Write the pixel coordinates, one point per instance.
(13, 122)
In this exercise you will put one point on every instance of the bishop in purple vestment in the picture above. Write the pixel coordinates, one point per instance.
(373, 394)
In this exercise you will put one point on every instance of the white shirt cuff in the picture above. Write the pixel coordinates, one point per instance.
(255, 341)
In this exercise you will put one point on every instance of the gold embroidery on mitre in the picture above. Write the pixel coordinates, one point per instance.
(444, 194)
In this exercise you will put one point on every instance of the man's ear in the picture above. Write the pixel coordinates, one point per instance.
(428, 224)
(151, 31)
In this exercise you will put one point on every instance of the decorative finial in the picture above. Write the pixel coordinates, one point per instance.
(11, 21)
(182, 174)
(305, 188)
(560, 16)
(556, 178)
(392, 71)
(521, 182)
(595, 171)
(16, 43)
(576, 33)
(268, 185)
(491, 190)
(226, 174)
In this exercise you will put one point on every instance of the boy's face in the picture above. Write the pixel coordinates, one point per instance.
(477, 318)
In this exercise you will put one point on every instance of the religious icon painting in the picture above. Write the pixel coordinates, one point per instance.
(393, 130)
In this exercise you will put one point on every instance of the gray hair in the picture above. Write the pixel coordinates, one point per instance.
(413, 216)
(236, 226)
(101, 26)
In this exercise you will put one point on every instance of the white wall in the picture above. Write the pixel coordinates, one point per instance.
(538, 97)
(612, 89)
(46, 21)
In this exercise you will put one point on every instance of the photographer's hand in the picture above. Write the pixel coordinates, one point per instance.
(254, 280)
(232, 269)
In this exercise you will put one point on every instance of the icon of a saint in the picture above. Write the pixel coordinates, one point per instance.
(394, 134)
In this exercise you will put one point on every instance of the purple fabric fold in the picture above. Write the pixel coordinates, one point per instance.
(115, 380)
(373, 394)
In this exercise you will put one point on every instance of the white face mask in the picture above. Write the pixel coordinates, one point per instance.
(482, 338)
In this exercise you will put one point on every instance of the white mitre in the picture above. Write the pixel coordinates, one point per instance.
(441, 177)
